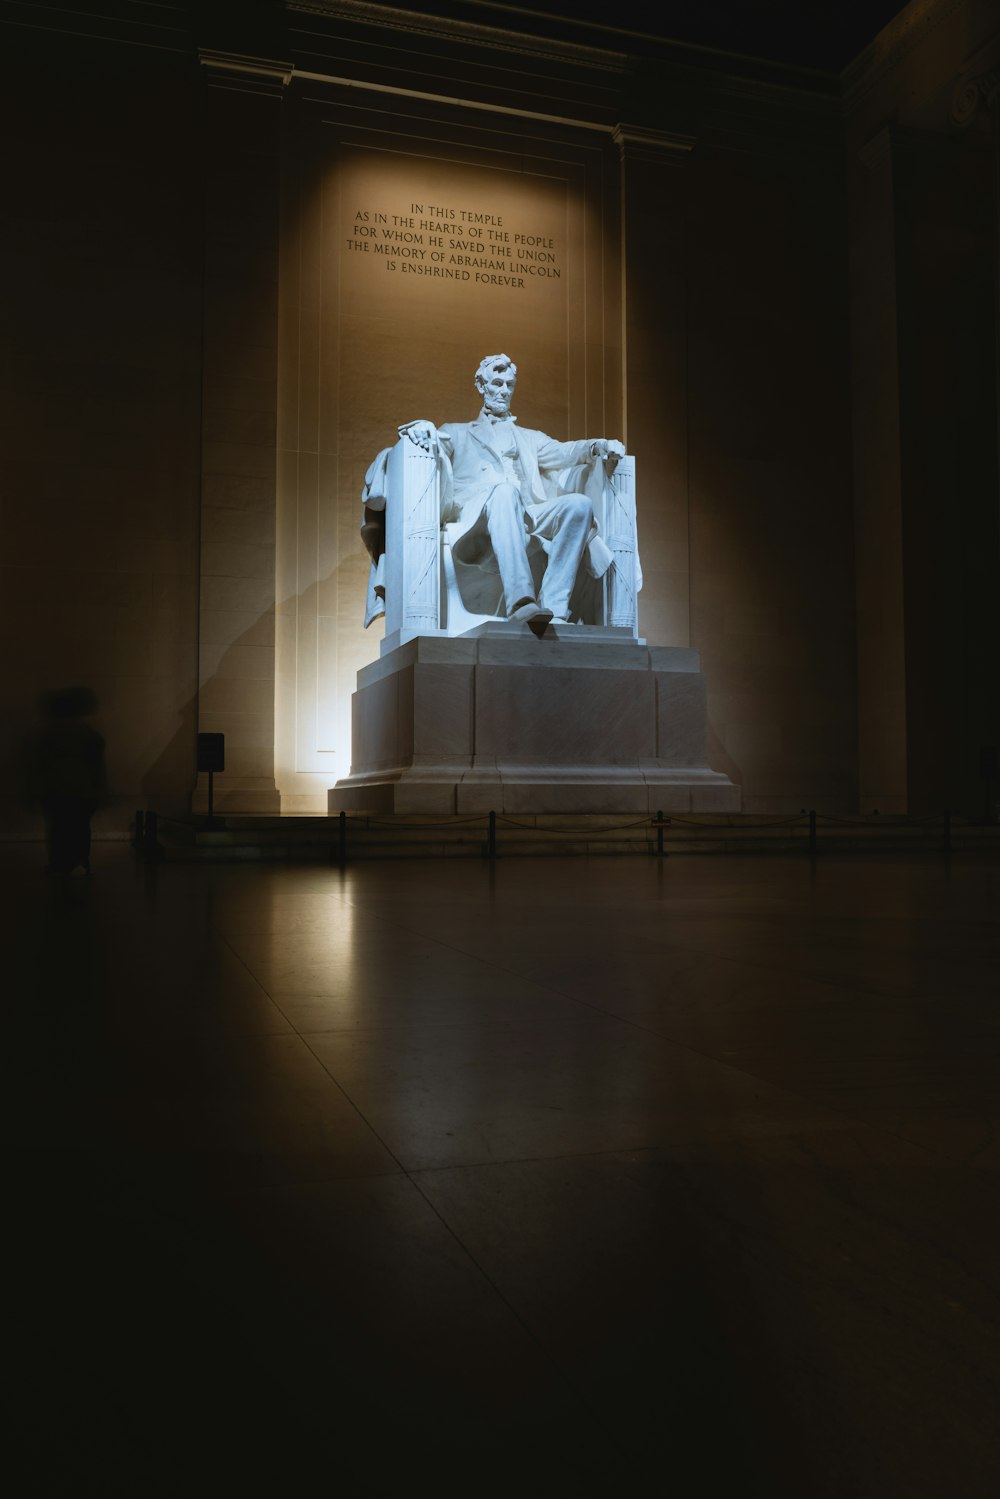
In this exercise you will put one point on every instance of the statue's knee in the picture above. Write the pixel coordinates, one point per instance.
(504, 497)
(579, 508)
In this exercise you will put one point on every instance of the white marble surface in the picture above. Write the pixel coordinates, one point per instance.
(465, 507)
(681, 717)
(504, 720)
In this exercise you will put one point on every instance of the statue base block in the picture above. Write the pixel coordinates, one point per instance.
(575, 719)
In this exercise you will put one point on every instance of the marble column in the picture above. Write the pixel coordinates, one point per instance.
(236, 637)
(926, 469)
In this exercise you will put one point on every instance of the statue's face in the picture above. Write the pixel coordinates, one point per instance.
(498, 389)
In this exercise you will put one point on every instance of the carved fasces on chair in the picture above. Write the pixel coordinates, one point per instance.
(413, 542)
(620, 536)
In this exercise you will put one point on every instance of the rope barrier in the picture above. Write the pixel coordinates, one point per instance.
(690, 822)
(148, 824)
(886, 822)
(527, 827)
(873, 820)
(455, 822)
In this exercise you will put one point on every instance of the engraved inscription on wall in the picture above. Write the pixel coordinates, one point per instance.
(456, 242)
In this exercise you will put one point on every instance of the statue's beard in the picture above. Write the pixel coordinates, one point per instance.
(497, 405)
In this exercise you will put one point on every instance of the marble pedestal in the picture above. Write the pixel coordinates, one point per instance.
(579, 719)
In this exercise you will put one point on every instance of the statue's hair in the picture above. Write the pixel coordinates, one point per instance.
(493, 362)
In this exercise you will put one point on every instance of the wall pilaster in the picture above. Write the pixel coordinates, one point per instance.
(878, 490)
(654, 230)
(236, 625)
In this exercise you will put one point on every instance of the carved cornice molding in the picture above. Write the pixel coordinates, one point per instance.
(444, 28)
(821, 100)
(264, 69)
(665, 145)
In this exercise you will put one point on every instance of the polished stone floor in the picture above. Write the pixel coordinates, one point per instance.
(553, 1178)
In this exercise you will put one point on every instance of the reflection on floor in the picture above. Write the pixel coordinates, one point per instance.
(558, 1178)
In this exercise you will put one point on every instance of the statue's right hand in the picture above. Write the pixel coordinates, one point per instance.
(422, 434)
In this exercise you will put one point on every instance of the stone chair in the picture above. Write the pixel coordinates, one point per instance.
(420, 580)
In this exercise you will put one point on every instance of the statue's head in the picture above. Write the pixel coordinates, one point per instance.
(495, 381)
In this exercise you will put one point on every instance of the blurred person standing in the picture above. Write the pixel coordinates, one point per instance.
(66, 775)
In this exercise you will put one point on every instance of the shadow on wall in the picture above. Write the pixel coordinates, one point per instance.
(236, 696)
(720, 759)
(169, 782)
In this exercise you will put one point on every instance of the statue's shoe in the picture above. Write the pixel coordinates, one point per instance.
(531, 613)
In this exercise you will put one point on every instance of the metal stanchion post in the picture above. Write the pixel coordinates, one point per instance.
(491, 837)
(150, 846)
(342, 839)
(812, 832)
(947, 830)
(659, 835)
(139, 836)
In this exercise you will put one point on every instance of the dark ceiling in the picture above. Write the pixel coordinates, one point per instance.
(820, 34)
